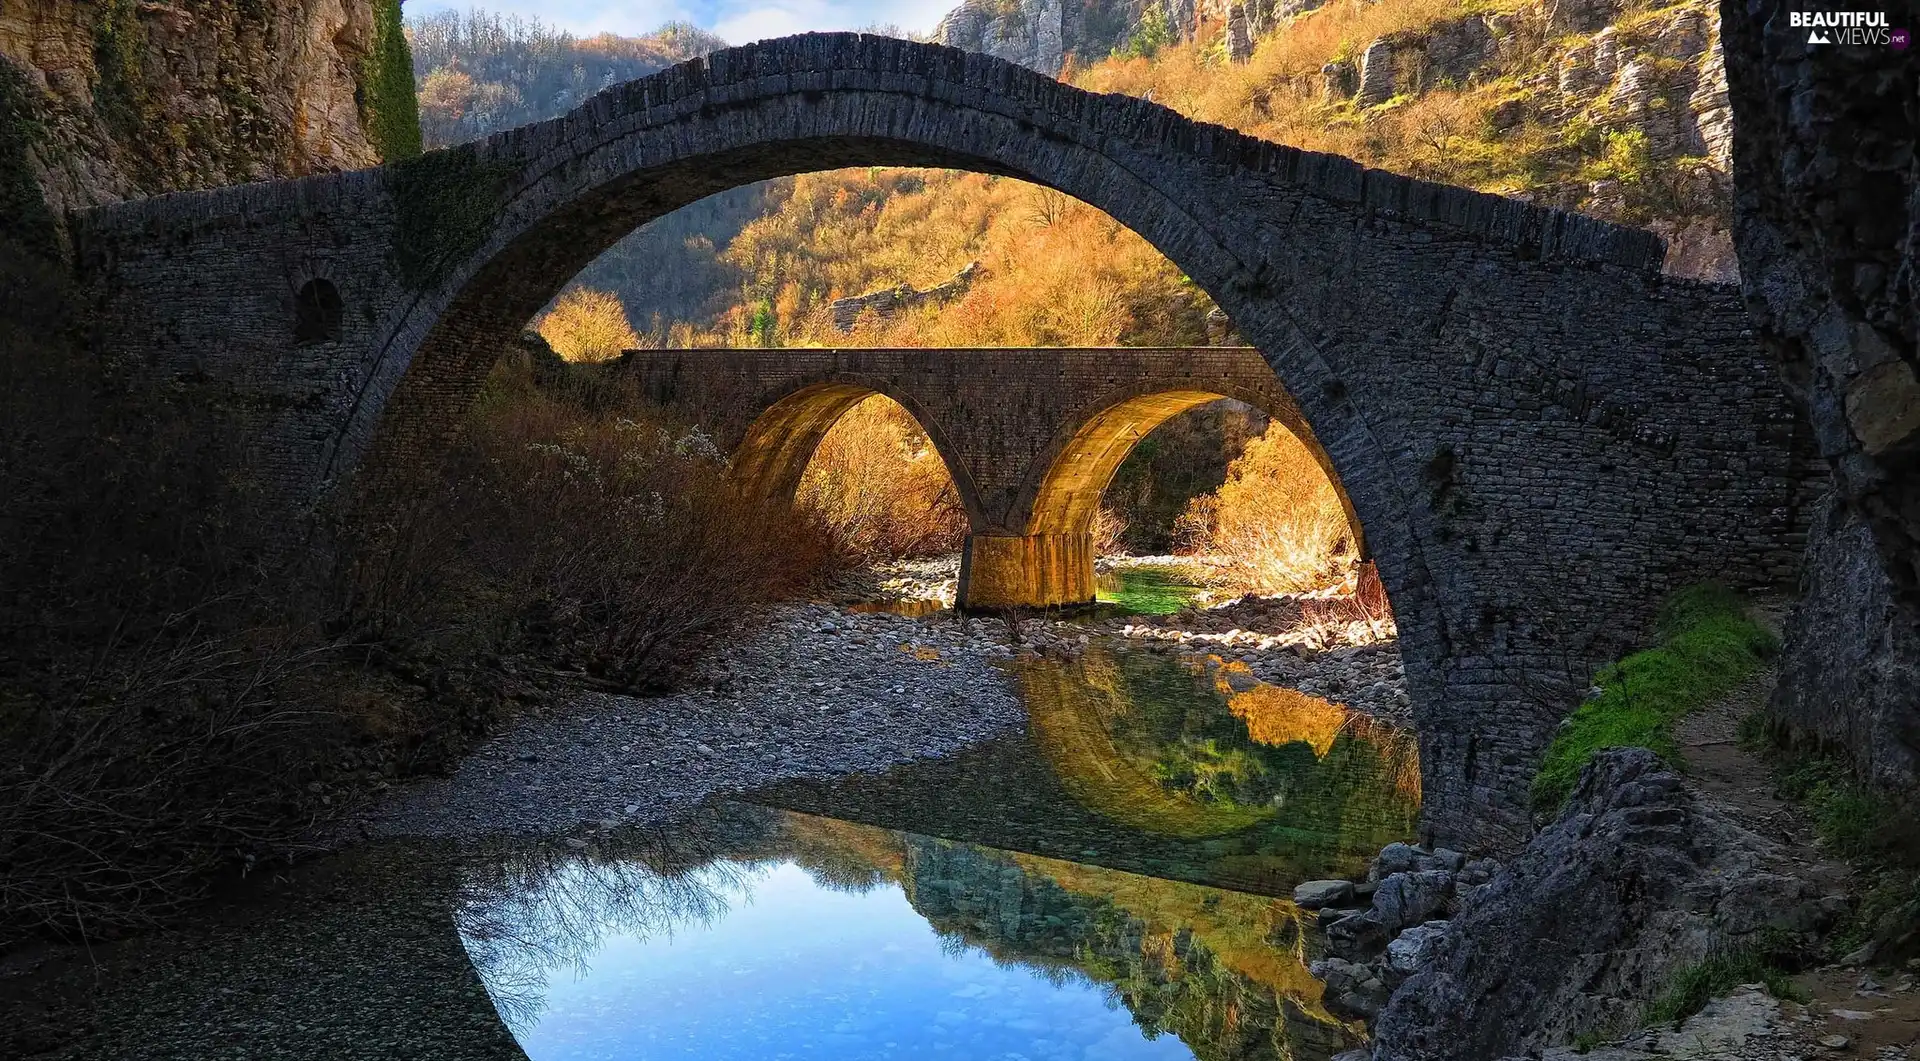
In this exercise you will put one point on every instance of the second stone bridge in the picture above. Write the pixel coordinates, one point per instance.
(1031, 436)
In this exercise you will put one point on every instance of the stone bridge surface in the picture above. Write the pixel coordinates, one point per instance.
(1031, 436)
(1539, 432)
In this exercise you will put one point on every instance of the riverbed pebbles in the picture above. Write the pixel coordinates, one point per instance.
(819, 690)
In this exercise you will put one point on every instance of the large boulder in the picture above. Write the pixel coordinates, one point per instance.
(1636, 878)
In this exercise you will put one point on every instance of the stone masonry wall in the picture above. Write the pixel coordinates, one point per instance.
(1540, 434)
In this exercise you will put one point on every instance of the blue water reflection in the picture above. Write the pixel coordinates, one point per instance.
(787, 968)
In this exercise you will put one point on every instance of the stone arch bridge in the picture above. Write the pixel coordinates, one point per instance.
(1539, 432)
(1031, 436)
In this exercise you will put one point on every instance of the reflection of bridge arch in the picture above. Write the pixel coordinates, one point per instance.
(1541, 434)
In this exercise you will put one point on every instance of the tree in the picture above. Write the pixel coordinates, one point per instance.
(587, 325)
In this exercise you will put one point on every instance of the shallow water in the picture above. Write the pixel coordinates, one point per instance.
(1110, 884)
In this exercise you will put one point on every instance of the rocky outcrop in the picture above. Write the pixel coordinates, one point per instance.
(1851, 666)
(1827, 193)
(1408, 894)
(885, 304)
(1636, 878)
(132, 99)
(1037, 34)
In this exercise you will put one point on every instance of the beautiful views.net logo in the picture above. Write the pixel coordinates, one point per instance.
(1848, 27)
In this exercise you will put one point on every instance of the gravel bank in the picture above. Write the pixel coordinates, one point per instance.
(819, 690)
(814, 692)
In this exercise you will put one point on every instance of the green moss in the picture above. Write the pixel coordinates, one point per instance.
(446, 203)
(1695, 985)
(119, 41)
(1708, 645)
(389, 110)
(25, 220)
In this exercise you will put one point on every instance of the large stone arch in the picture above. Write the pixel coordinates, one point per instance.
(1539, 433)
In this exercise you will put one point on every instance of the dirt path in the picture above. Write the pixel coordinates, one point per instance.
(1852, 1011)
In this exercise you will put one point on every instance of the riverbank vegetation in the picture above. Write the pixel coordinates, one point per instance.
(175, 703)
(1709, 643)
(879, 488)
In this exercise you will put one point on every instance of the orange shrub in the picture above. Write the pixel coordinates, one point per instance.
(1277, 520)
(880, 489)
(587, 325)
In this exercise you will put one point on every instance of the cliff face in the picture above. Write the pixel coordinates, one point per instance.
(1828, 197)
(128, 98)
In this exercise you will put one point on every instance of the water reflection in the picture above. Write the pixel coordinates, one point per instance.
(1138, 762)
(808, 937)
(1110, 883)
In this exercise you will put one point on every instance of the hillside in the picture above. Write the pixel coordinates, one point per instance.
(480, 73)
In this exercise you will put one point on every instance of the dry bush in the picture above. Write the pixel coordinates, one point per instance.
(880, 488)
(1277, 520)
(587, 325)
(1109, 531)
(587, 529)
(172, 703)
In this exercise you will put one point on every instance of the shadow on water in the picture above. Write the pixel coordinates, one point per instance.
(1111, 884)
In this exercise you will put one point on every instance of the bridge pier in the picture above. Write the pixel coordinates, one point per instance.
(1025, 571)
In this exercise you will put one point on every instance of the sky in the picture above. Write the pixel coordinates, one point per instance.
(736, 21)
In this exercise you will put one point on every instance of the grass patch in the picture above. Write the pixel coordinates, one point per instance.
(1697, 984)
(1708, 645)
(1873, 831)
(1149, 590)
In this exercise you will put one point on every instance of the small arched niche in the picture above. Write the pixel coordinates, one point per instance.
(317, 313)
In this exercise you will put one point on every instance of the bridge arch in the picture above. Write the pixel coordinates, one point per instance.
(773, 453)
(1540, 434)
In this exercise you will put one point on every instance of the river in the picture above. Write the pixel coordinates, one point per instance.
(1104, 874)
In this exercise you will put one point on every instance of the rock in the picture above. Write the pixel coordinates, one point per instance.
(885, 304)
(1239, 36)
(1357, 938)
(1636, 878)
(1037, 34)
(1835, 1042)
(1749, 1017)
(253, 91)
(1457, 49)
(1314, 894)
(1415, 948)
(1376, 74)
(1394, 858)
(1580, 16)
(1850, 670)
(1827, 192)
(1410, 898)
(1352, 989)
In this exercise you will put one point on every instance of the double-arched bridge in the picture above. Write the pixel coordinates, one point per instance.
(1539, 432)
(1031, 436)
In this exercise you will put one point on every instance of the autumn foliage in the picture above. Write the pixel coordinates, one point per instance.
(1053, 271)
(1277, 521)
(881, 490)
(587, 325)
